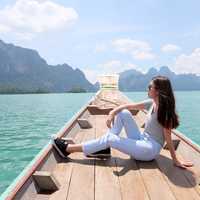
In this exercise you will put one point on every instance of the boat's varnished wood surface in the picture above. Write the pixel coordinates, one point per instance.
(130, 179)
(63, 172)
(131, 182)
(75, 171)
(106, 182)
(121, 177)
(176, 179)
(82, 178)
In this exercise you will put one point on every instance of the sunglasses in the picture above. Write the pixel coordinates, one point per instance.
(150, 87)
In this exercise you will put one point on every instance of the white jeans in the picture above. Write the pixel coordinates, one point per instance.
(138, 145)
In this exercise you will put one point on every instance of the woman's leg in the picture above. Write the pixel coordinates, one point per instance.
(71, 148)
(122, 119)
(94, 145)
(141, 149)
(126, 120)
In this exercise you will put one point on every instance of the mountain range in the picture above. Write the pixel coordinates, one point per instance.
(23, 70)
(133, 80)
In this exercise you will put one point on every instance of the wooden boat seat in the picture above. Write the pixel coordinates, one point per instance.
(46, 182)
(84, 123)
(94, 110)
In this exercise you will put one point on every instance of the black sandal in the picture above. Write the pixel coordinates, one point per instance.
(61, 146)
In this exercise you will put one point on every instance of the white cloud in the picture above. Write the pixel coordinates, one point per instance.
(110, 67)
(35, 16)
(24, 36)
(41, 0)
(91, 74)
(115, 66)
(139, 50)
(188, 63)
(100, 48)
(4, 29)
(168, 48)
(143, 55)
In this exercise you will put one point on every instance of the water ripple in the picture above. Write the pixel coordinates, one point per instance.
(26, 123)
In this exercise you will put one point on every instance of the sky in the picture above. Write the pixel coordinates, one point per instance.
(107, 36)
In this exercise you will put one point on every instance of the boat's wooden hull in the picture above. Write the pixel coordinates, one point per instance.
(49, 160)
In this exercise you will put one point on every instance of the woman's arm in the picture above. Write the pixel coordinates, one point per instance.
(129, 106)
(168, 139)
(176, 161)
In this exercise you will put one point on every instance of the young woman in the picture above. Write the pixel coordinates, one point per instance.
(145, 145)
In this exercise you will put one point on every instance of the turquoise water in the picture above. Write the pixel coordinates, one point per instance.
(27, 121)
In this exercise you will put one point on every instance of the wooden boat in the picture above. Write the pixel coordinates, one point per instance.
(120, 177)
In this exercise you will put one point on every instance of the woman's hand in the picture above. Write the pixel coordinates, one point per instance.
(183, 164)
(110, 120)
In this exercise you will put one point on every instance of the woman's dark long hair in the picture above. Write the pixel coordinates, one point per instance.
(167, 115)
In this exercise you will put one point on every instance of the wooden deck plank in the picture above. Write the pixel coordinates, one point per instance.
(152, 178)
(154, 181)
(144, 181)
(106, 182)
(176, 179)
(63, 172)
(131, 183)
(193, 175)
(82, 180)
(142, 193)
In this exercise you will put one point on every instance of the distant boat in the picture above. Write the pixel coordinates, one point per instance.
(49, 176)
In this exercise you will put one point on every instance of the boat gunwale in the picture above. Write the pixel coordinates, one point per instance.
(10, 193)
(187, 140)
(12, 190)
(184, 138)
